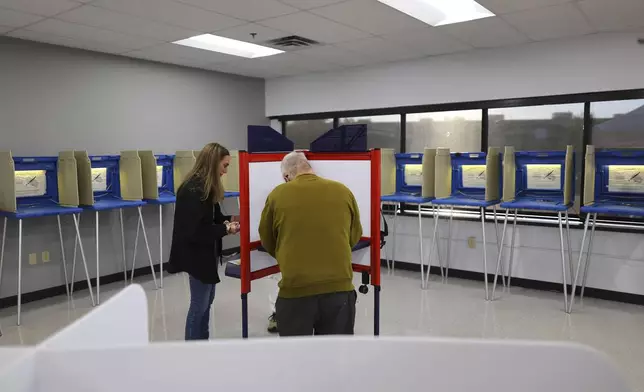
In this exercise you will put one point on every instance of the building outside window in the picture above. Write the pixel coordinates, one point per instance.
(460, 131)
(382, 131)
(302, 133)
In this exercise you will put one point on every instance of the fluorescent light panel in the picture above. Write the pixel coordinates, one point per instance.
(229, 46)
(440, 12)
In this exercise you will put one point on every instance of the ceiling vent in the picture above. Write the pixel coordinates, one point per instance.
(292, 42)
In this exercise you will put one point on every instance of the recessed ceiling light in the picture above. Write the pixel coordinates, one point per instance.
(229, 46)
(440, 12)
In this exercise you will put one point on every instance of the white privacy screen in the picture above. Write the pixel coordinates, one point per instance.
(265, 176)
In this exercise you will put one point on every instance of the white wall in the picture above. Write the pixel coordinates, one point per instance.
(54, 98)
(599, 62)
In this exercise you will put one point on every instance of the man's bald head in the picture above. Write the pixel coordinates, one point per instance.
(294, 164)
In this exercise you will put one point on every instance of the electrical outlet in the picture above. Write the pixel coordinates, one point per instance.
(45, 256)
(471, 242)
(33, 258)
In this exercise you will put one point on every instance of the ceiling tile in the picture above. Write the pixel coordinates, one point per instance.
(370, 16)
(65, 41)
(314, 27)
(39, 7)
(173, 50)
(105, 19)
(170, 12)
(557, 21)
(86, 33)
(168, 58)
(12, 18)
(427, 41)
(243, 33)
(250, 10)
(614, 14)
(508, 6)
(308, 4)
(380, 50)
(485, 33)
(337, 55)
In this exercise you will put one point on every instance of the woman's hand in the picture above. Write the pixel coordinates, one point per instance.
(233, 227)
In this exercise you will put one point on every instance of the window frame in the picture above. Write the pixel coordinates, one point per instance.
(533, 219)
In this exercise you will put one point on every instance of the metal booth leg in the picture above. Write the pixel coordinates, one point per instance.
(487, 293)
(581, 253)
(147, 246)
(98, 272)
(499, 248)
(499, 260)
(4, 236)
(511, 262)
(19, 269)
(431, 253)
(73, 277)
(393, 242)
(161, 244)
(563, 261)
(420, 247)
(82, 251)
(123, 245)
(62, 253)
(588, 255)
(136, 247)
(244, 299)
(449, 240)
(570, 263)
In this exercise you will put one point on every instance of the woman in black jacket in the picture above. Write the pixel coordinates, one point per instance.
(199, 227)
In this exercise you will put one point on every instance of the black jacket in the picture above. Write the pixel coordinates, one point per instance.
(197, 233)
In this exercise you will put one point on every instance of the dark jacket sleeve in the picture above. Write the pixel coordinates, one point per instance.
(219, 217)
(194, 218)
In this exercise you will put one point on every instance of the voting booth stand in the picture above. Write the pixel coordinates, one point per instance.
(35, 187)
(111, 182)
(613, 186)
(95, 353)
(469, 180)
(260, 173)
(408, 179)
(538, 181)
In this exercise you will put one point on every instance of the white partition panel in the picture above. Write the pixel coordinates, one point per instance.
(122, 320)
(263, 177)
(334, 364)
(18, 369)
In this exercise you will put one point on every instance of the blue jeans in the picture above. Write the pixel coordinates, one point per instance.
(198, 320)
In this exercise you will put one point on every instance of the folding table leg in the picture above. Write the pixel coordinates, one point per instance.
(73, 278)
(430, 256)
(449, 239)
(588, 255)
(436, 239)
(123, 245)
(98, 270)
(570, 263)
(161, 243)
(499, 248)
(487, 293)
(511, 262)
(499, 260)
(62, 253)
(147, 246)
(82, 251)
(420, 245)
(563, 261)
(19, 268)
(4, 236)
(393, 242)
(136, 248)
(581, 253)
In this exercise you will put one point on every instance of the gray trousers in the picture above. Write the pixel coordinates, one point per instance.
(324, 314)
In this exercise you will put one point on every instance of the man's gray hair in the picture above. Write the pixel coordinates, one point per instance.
(295, 163)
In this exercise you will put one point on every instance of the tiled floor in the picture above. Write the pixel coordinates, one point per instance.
(455, 309)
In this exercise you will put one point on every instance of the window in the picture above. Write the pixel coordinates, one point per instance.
(459, 130)
(534, 128)
(618, 124)
(382, 131)
(302, 133)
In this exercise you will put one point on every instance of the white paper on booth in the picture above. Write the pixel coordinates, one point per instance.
(99, 179)
(546, 177)
(623, 178)
(473, 176)
(414, 174)
(159, 176)
(30, 183)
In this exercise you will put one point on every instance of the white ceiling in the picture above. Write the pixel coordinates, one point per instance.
(352, 32)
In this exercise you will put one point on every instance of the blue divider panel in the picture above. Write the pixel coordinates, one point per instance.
(402, 160)
(50, 166)
(262, 138)
(167, 181)
(523, 189)
(346, 138)
(113, 181)
(459, 189)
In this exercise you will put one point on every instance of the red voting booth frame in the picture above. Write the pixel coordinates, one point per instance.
(246, 246)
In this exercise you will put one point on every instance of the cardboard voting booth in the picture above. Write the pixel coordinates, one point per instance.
(37, 187)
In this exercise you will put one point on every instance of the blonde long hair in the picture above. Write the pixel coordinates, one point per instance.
(207, 171)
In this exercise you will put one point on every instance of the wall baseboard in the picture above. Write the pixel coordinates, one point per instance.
(609, 295)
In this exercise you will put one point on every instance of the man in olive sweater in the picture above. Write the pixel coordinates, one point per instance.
(309, 224)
